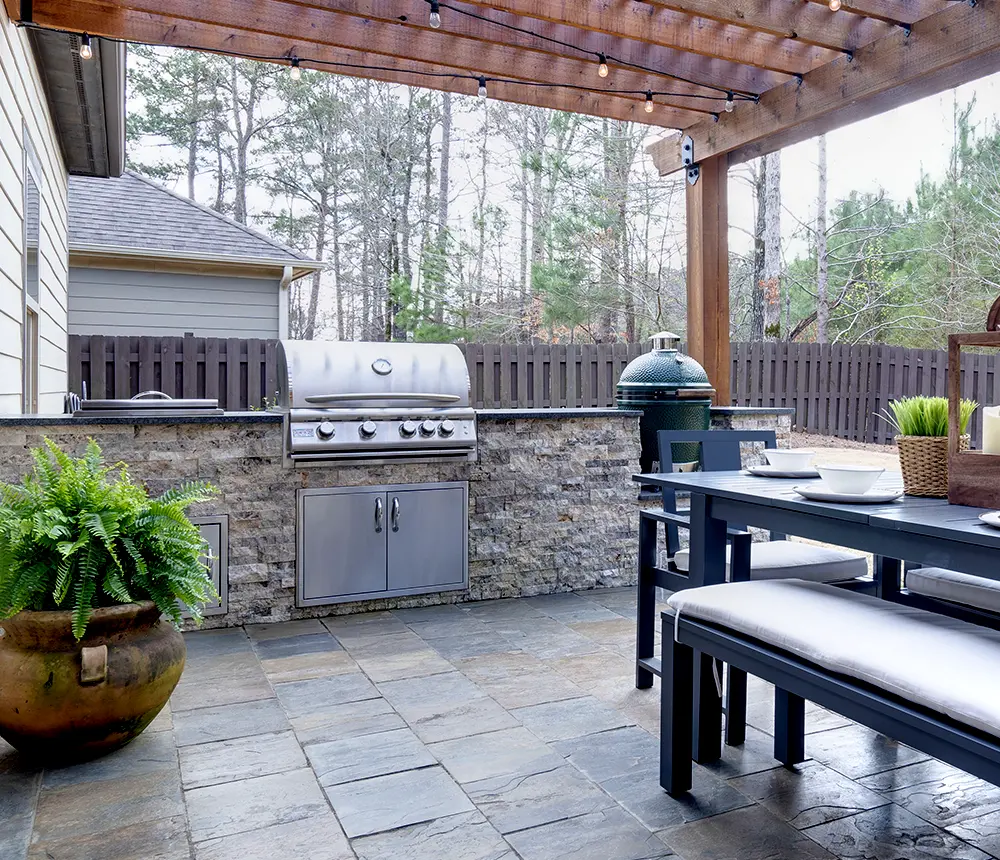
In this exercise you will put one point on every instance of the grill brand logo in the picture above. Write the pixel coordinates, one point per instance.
(382, 366)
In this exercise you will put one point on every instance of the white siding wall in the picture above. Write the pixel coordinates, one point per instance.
(163, 304)
(23, 106)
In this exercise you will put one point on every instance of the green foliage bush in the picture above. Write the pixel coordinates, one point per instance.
(927, 416)
(77, 534)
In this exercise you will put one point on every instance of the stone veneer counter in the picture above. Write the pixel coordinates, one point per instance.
(551, 502)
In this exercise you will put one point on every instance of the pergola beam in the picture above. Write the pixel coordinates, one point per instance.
(956, 45)
(393, 47)
(93, 18)
(807, 22)
(662, 26)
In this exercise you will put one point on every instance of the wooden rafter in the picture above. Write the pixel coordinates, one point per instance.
(663, 27)
(791, 19)
(951, 47)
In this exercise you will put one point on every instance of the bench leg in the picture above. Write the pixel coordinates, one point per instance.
(645, 607)
(676, 707)
(736, 706)
(707, 710)
(789, 727)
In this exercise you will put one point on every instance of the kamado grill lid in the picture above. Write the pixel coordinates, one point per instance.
(663, 374)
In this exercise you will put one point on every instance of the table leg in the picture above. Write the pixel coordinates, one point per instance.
(887, 577)
(645, 611)
(708, 567)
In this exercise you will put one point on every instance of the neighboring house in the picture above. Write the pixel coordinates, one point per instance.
(59, 114)
(146, 261)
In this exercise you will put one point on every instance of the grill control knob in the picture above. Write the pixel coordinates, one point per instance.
(427, 428)
(407, 429)
(326, 430)
(368, 430)
(447, 428)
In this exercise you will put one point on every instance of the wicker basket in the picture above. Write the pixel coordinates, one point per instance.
(924, 461)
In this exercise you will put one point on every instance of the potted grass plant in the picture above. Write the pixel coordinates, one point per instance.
(921, 425)
(91, 572)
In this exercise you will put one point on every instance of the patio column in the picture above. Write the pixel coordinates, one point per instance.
(708, 273)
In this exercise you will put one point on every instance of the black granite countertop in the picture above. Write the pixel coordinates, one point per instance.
(752, 410)
(70, 420)
(508, 414)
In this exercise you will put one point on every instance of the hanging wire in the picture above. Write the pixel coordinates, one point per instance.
(295, 61)
(745, 94)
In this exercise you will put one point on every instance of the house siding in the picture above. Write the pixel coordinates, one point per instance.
(23, 111)
(133, 302)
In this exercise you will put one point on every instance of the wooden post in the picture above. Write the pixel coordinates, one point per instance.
(708, 274)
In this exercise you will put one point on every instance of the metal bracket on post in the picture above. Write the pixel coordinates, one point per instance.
(687, 150)
(693, 173)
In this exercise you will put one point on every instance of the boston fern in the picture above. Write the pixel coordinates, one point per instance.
(77, 534)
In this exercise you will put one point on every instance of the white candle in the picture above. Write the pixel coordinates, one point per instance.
(991, 430)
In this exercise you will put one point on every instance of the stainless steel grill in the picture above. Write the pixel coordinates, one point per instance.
(375, 401)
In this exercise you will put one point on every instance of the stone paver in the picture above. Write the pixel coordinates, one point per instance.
(504, 730)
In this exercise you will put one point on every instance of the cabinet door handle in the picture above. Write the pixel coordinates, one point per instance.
(395, 514)
(378, 515)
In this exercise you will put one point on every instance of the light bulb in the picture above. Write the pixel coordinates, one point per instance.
(295, 73)
(835, 5)
(602, 69)
(482, 87)
(435, 17)
(649, 102)
(730, 103)
(86, 52)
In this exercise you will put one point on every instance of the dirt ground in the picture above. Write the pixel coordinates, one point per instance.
(833, 450)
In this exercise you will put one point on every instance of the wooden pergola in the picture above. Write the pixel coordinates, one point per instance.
(791, 69)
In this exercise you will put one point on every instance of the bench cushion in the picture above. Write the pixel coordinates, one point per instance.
(943, 664)
(785, 559)
(956, 587)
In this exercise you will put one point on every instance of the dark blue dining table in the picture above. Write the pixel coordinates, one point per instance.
(929, 532)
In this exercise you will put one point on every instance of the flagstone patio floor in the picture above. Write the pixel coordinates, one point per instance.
(481, 731)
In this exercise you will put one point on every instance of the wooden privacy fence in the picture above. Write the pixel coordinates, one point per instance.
(243, 373)
(834, 390)
(839, 390)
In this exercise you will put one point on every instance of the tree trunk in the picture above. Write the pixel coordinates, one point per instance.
(757, 266)
(771, 285)
(822, 255)
(309, 331)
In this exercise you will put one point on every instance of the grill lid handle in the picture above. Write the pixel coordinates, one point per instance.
(151, 395)
(371, 395)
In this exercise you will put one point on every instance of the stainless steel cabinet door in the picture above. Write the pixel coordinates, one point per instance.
(342, 547)
(427, 537)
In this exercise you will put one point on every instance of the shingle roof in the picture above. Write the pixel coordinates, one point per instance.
(131, 213)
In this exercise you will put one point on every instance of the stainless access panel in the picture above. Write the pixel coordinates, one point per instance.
(341, 545)
(215, 530)
(428, 539)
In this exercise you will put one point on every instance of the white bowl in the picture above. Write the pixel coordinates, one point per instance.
(842, 478)
(793, 459)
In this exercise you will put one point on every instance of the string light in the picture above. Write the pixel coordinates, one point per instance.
(86, 51)
(835, 5)
(730, 104)
(649, 102)
(602, 69)
(435, 17)
(295, 73)
(482, 87)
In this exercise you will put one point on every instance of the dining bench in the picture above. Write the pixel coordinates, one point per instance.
(922, 678)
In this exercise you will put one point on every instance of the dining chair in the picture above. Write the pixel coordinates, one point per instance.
(777, 558)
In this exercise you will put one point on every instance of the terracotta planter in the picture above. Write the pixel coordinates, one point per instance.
(63, 700)
(923, 461)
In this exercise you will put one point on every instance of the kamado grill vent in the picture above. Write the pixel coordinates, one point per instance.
(375, 401)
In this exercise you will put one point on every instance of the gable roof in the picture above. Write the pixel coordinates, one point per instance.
(132, 216)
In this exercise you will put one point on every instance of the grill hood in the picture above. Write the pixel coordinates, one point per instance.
(351, 375)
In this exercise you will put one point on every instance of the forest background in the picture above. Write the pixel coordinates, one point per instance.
(448, 217)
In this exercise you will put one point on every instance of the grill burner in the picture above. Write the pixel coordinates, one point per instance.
(375, 401)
